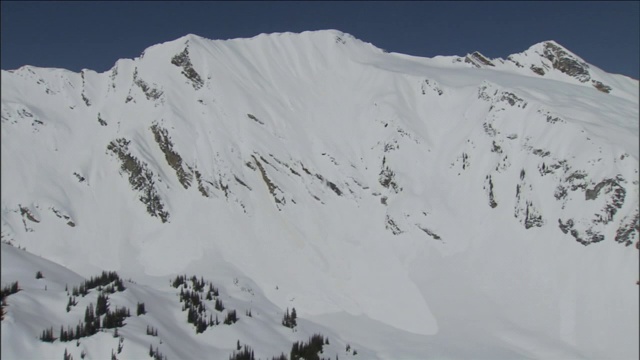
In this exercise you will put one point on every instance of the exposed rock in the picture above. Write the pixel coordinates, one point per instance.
(465, 160)
(513, 100)
(387, 178)
(241, 182)
(429, 232)
(538, 70)
(101, 121)
(615, 200)
(140, 178)
(431, 85)
(565, 62)
(560, 193)
(628, 229)
(489, 129)
(201, 186)
(182, 60)
(255, 119)
(524, 210)
(541, 152)
(150, 92)
(532, 217)
(577, 180)
(79, 177)
(496, 148)
(273, 188)
(489, 189)
(84, 97)
(591, 237)
(60, 215)
(478, 60)
(391, 225)
(484, 92)
(600, 86)
(26, 213)
(173, 158)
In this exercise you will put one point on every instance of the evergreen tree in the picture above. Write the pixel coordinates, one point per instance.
(102, 305)
(294, 316)
(218, 305)
(47, 335)
(231, 317)
(289, 320)
(245, 354)
(141, 310)
(89, 315)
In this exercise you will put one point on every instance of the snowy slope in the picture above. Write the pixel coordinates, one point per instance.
(461, 206)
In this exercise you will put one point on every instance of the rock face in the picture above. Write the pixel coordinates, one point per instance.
(511, 181)
(549, 57)
(478, 60)
(566, 63)
(140, 178)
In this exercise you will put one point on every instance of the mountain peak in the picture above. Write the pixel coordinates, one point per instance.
(549, 57)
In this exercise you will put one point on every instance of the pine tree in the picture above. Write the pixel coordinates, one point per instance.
(218, 305)
(289, 320)
(47, 335)
(120, 344)
(286, 319)
(231, 317)
(102, 306)
(89, 314)
(294, 316)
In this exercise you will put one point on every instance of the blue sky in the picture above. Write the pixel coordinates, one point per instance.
(76, 35)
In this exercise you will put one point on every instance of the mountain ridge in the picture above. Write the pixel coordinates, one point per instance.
(366, 172)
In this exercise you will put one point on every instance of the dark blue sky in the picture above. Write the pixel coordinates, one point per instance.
(76, 35)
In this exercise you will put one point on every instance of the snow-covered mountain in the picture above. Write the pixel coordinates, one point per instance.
(412, 208)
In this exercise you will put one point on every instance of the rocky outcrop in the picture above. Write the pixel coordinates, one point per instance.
(173, 158)
(274, 190)
(183, 61)
(566, 62)
(478, 60)
(140, 178)
(600, 86)
(151, 93)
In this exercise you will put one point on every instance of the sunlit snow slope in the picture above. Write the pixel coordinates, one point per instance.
(453, 207)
